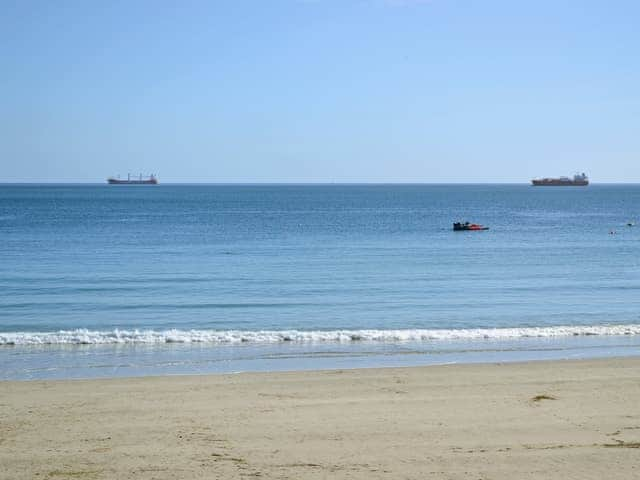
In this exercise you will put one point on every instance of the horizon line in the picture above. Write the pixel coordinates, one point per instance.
(294, 183)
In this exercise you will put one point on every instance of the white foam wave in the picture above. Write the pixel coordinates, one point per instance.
(83, 336)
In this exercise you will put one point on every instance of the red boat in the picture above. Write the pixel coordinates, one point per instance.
(459, 226)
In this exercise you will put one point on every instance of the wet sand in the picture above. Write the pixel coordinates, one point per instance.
(544, 420)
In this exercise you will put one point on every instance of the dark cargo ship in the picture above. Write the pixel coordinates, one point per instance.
(579, 180)
(150, 180)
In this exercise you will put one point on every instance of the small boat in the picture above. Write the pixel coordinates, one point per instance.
(460, 226)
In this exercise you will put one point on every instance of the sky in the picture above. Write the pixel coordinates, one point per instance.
(319, 90)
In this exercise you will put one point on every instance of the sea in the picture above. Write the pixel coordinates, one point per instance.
(111, 281)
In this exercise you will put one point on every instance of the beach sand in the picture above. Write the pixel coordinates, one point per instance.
(543, 420)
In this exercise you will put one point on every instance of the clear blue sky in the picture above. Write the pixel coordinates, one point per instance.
(320, 90)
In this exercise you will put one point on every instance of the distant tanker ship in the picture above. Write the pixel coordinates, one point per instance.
(150, 180)
(579, 180)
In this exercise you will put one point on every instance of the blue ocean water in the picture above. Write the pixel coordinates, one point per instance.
(99, 280)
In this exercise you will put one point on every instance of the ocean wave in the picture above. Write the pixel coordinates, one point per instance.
(90, 337)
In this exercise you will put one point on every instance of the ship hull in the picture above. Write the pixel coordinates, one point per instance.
(115, 181)
(559, 183)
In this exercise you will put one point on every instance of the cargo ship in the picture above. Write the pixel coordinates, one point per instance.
(150, 180)
(579, 180)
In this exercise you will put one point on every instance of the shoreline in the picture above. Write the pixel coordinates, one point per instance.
(555, 419)
(71, 361)
(325, 371)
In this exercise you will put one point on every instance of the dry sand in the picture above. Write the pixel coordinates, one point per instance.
(544, 420)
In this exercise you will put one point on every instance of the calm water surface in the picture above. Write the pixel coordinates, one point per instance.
(99, 280)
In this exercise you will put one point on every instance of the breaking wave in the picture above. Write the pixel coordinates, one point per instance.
(90, 337)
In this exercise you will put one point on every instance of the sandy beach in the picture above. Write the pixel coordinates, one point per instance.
(551, 420)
